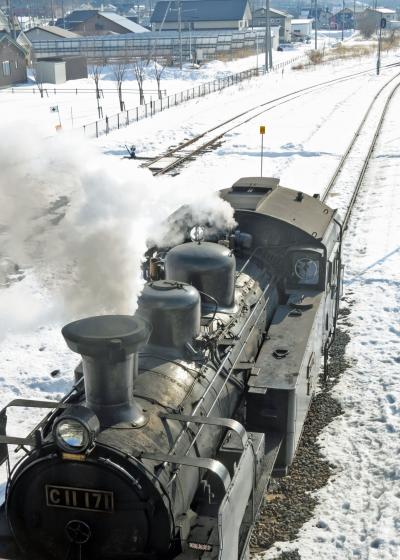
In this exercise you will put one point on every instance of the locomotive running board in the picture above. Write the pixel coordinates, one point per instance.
(227, 536)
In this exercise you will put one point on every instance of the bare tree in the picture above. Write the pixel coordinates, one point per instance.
(159, 67)
(119, 71)
(138, 66)
(95, 73)
(366, 26)
(392, 39)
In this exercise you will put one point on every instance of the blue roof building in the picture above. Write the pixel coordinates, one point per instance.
(201, 15)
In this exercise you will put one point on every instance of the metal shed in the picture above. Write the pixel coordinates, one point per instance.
(58, 70)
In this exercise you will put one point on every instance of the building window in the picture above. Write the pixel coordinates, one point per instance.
(6, 68)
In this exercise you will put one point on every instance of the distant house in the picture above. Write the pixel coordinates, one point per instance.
(344, 19)
(13, 61)
(201, 15)
(321, 14)
(301, 29)
(13, 28)
(26, 45)
(4, 23)
(48, 33)
(373, 17)
(95, 22)
(277, 18)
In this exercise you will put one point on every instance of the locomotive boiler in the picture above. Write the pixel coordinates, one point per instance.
(179, 414)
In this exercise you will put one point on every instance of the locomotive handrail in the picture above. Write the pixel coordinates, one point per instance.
(21, 441)
(212, 465)
(232, 425)
(245, 265)
(11, 440)
(28, 403)
(217, 373)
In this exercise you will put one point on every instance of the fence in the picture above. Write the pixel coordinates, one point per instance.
(125, 118)
(53, 91)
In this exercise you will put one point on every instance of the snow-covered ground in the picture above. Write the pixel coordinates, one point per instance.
(74, 252)
(359, 511)
(76, 100)
(80, 108)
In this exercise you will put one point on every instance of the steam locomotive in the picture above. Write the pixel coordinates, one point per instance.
(179, 414)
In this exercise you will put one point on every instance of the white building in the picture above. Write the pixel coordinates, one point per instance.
(276, 18)
(301, 28)
(51, 71)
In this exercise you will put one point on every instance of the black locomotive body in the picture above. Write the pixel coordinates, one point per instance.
(178, 416)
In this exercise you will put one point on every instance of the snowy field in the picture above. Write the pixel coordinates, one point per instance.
(359, 511)
(76, 218)
(78, 109)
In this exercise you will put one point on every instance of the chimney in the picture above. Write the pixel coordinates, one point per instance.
(108, 345)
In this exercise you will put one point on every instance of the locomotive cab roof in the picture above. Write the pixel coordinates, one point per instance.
(264, 195)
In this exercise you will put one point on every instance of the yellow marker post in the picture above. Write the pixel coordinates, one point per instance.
(262, 132)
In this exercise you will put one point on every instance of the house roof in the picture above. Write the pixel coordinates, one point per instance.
(200, 10)
(81, 16)
(54, 29)
(24, 41)
(262, 12)
(5, 36)
(385, 11)
(75, 17)
(280, 12)
(4, 24)
(129, 25)
(301, 21)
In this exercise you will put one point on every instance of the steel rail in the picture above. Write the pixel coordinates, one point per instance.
(278, 102)
(369, 155)
(337, 172)
(352, 142)
(172, 151)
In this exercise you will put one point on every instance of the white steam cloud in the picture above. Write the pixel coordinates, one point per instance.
(78, 222)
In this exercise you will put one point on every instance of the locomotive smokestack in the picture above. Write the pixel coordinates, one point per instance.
(108, 346)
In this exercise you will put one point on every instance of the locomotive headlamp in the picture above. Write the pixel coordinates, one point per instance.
(197, 234)
(76, 430)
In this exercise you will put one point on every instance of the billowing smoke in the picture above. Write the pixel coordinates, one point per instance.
(77, 222)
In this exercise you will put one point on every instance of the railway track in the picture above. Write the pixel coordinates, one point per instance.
(344, 185)
(355, 161)
(173, 158)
